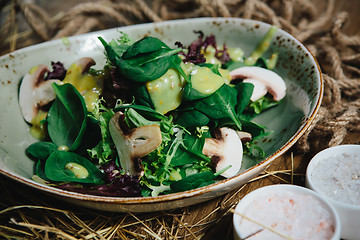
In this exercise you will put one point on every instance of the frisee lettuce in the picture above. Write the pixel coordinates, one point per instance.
(104, 151)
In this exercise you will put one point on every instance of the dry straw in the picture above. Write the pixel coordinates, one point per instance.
(26, 22)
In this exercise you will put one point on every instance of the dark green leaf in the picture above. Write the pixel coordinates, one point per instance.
(244, 92)
(145, 60)
(261, 62)
(111, 54)
(256, 130)
(41, 150)
(145, 45)
(92, 135)
(143, 72)
(150, 57)
(67, 117)
(55, 168)
(40, 170)
(142, 96)
(192, 181)
(191, 118)
(221, 104)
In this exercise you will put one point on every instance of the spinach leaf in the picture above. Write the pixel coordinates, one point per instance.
(193, 181)
(40, 170)
(221, 104)
(244, 92)
(255, 129)
(145, 45)
(261, 62)
(142, 96)
(113, 56)
(41, 150)
(92, 135)
(145, 60)
(190, 118)
(55, 168)
(67, 117)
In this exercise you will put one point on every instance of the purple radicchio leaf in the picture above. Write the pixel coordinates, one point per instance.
(116, 184)
(59, 72)
(194, 54)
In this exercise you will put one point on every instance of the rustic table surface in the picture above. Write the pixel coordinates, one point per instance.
(291, 165)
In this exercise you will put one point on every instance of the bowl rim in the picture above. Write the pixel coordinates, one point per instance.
(294, 189)
(312, 166)
(201, 190)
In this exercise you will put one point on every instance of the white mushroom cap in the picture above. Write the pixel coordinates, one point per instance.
(35, 92)
(272, 82)
(224, 150)
(132, 144)
(259, 91)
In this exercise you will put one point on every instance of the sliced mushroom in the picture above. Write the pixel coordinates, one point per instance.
(85, 63)
(132, 144)
(244, 136)
(35, 92)
(259, 91)
(270, 80)
(224, 150)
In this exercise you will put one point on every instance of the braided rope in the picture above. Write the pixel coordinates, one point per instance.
(336, 51)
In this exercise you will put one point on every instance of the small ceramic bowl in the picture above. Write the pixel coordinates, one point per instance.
(285, 212)
(335, 174)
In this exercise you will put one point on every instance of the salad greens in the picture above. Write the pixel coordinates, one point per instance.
(80, 151)
(145, 60)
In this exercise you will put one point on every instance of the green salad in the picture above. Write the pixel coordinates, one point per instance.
(154, 120)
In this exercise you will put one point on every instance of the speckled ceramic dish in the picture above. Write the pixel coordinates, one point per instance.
(288, 121)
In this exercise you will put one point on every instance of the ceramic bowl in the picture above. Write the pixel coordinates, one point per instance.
(335, 174)
(285, 212)
(288, 121)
